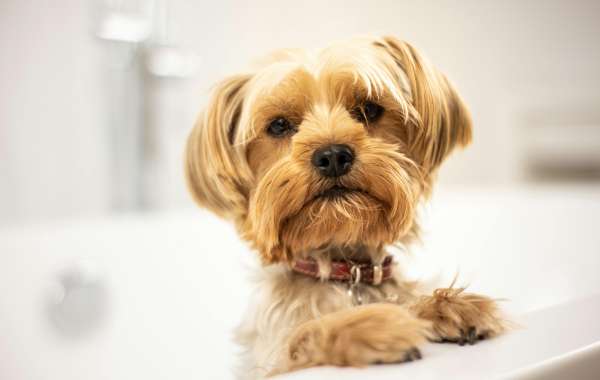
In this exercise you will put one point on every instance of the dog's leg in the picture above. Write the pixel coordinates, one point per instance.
(459, 317)
(375, 333)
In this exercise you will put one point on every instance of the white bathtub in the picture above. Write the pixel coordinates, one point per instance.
(174, 285)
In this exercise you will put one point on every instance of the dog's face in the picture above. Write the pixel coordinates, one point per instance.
(331, 150)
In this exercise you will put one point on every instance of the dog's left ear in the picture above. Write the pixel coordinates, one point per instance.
(442, 121)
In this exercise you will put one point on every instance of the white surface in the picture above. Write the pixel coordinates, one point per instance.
(530, 351)
(176, 288)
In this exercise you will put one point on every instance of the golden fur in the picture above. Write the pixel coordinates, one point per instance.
(269, 189)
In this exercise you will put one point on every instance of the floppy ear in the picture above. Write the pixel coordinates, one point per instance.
(215, 168)
(442, 121)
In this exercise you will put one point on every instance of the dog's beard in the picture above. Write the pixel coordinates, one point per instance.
(294, 211)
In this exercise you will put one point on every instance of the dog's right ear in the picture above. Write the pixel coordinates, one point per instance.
(215, 166)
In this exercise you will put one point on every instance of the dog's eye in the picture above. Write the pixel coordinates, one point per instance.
(372, 111)
(368, 112)
(280, 127)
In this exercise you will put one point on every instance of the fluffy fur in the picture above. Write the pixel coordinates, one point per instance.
(267, 186)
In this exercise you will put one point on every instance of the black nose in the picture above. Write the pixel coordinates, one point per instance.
(333, 160)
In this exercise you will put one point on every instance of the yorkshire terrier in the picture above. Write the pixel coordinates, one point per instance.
(320, 160)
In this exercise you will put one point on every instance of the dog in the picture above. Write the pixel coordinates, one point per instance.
(320, 160)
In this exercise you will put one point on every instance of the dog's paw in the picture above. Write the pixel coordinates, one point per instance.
(459, 317)
(370, 334)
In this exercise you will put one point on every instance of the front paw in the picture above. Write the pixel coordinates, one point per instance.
(460, 317)
(370, 334)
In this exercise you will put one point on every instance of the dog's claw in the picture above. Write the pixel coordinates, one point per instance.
(418, 354)
(484, 335)
(409, 356)
(412, 354)
(472, 335)
(462, 340)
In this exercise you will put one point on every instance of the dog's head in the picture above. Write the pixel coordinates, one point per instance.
(330, 150)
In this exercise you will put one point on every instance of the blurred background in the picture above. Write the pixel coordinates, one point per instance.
(103, 256)
(97, 96)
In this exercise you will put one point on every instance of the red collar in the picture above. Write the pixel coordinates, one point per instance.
(367, 273)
